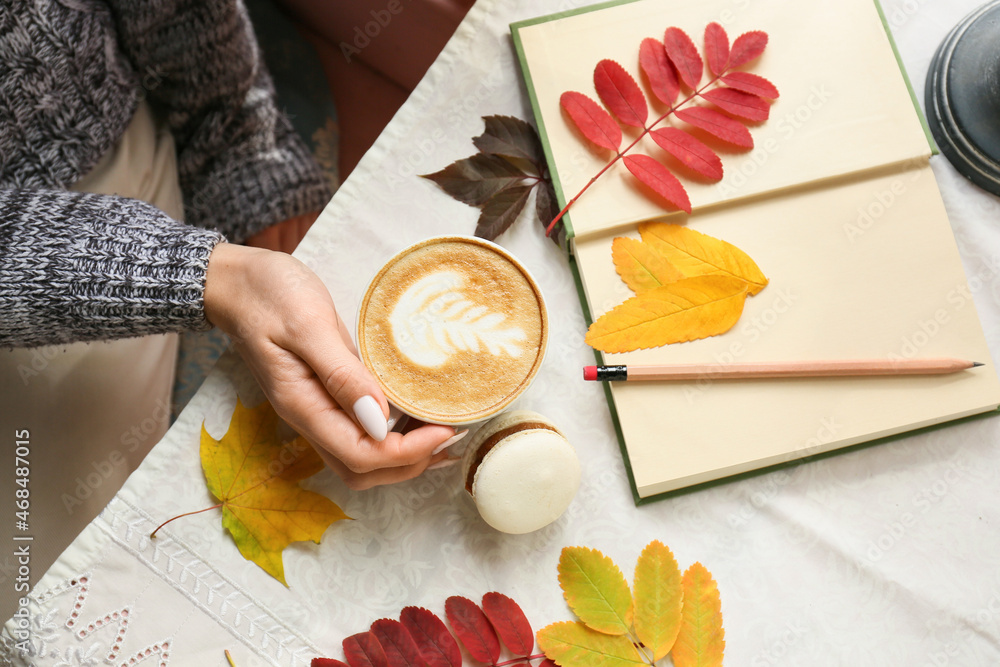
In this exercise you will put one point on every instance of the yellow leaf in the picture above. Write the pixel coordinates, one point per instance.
(697, 254)
(684, 310)
(573, 644)
(641, 266)
(596, 590)
(658, 598)
(256, 478)
(701, 639)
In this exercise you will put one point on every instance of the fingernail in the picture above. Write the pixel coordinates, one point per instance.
(450, 441)
(444, 464)
(369, 414)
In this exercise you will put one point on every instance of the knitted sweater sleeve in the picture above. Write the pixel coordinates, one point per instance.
(99, 267)
(242, 167)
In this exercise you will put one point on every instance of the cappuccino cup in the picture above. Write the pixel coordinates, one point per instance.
(453, 328)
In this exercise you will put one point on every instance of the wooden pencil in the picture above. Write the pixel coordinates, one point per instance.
(751, 370)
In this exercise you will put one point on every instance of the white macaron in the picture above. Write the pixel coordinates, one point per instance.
(521, 471)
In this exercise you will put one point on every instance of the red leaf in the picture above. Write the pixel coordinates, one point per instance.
(747, 46)
(717, 124)
(364, 650)
(751, 83)
(473, 629)
(437, 646)
(509, 621)
(592, 120)
(326, 662)
(659, 179)
(738, 103)
(684, 55)
(694, 154)
(620, 93)
(400, 649)
(659, 71)
(547, 663)
(716, 48)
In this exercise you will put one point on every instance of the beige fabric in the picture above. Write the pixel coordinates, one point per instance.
(92, 410)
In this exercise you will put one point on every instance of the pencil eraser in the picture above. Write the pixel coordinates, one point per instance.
(590, 372)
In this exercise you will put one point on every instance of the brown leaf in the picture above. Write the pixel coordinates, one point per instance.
(501, 211)
(510, 137)
(475, 180)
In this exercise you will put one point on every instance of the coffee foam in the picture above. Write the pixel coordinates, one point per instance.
(452, 330)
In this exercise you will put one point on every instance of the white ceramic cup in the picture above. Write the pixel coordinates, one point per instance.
(414, 320)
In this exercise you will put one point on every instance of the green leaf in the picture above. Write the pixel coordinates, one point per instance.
(573, 644)
(596, 590)
(658, 598)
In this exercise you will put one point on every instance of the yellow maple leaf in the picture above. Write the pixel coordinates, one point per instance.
(684, 310)
(658, 598)
(641, 266)
(573, 644)
(596, 590)
(255, 478)
(701, 640)
(697, 254)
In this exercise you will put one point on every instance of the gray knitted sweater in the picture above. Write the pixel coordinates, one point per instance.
(84, 267)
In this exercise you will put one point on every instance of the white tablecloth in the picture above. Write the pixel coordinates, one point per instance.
(887, 555)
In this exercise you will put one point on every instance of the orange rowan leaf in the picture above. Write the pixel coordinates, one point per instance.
(596, 590)
(697, 254)
(573, 644)
(701, 640)
(255, 478)
(658, 598)
(684, 310)
(641, 266)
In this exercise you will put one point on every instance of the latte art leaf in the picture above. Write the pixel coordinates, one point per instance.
(434, 319)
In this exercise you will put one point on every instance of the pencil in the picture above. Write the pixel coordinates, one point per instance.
(774, 369)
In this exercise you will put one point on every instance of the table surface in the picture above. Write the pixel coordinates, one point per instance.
(882, 556)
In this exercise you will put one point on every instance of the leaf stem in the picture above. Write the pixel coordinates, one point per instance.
(153, 534)
(526, 659)
(620, 154)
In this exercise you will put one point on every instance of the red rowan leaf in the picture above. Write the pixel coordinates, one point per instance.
(659, 71)
(510, 623)
(739, 103)
(473, 629)
(716, 48)
(547, 663)
(429, 633)
(364, 650)
(684, 55)
(326, 662)
(476, 179)
(751, 83)
(691, 152)
(718, 125)
(399, 647)
(592, 120)
(510, 137)
(620, 93)
(501, 211)
(747, 47)
(659, 179)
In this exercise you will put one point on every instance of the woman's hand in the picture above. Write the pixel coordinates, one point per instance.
(282, 321)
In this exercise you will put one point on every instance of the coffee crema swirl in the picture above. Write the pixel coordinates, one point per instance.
(452, 329)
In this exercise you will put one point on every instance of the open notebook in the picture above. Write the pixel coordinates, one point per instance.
(836, 203)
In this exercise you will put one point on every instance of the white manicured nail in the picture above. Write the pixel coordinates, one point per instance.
(443, 464)
(369, 414)
(450, 441)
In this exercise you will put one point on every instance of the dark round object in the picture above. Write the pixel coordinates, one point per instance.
(962, 97)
